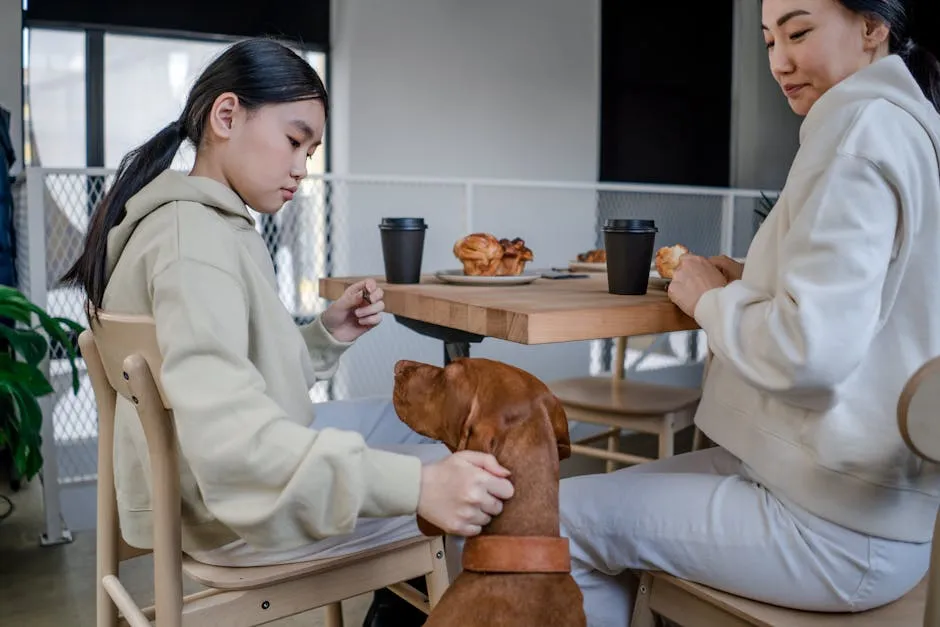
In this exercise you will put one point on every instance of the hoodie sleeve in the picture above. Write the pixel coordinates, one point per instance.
(324, 349)
(811, 333)
(275, 483)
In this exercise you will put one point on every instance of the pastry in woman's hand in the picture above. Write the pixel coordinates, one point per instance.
(480, 253)
(667, 259)
(515, 256)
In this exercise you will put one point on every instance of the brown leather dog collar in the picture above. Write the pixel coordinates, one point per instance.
(516, 554)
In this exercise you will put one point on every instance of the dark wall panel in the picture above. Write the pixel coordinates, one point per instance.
(666, 92)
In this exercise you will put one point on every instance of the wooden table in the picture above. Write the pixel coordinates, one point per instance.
(546, 311)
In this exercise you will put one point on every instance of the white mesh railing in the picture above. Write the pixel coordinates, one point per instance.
(330, 229)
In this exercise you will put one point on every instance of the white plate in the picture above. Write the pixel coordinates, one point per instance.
(457, 277)
(584, 266)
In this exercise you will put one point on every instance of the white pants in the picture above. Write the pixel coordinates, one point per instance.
(701, 517)
(376, 420)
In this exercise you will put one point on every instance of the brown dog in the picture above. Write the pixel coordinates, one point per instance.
(517, 572)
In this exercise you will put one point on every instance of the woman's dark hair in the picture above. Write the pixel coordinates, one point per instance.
(259, 72)
(920, 61)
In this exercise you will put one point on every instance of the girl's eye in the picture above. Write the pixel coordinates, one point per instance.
(293, 142)
(769, 44)
(799, 34)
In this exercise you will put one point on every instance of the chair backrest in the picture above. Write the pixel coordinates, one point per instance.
(118, 336)
(919, 422)
(123, 358)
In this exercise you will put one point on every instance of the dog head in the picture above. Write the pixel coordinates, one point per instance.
(478, 404)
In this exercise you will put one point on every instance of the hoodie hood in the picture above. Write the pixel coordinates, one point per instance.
(888, 79)
(173, 186)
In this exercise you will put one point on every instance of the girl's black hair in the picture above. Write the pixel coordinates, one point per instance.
(259, 72)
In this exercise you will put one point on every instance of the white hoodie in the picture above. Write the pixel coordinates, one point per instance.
(838, 306)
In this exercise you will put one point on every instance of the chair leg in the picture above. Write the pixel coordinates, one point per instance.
(667, 436)
(437, 579)
(333, 615)
(642, 614)
(698, 440)
(613, 446)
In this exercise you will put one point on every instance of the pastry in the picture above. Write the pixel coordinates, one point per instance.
(480, 253)
(598, 255)
(667, 259)
(483, 255)
(515, 256)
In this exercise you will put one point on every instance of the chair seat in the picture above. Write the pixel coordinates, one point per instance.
(249, 578)
(905, 612)
(625, 397)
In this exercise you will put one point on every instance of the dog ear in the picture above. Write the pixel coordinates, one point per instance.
(559, 420)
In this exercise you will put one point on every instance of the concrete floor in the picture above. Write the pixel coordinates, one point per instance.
(54, 586)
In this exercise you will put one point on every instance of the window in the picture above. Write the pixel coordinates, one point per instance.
(146, 83)
(54, 97)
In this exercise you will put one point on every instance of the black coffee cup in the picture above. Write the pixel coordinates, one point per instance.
(629, 245)
(402, 248)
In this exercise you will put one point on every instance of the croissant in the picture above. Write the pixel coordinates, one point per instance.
(598, 255)
(667, 259)
(515, 256)
(480, 253)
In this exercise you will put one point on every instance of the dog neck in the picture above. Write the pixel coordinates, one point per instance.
(533, 462)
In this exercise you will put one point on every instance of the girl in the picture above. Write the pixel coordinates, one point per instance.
(266, 476)
(810, 499)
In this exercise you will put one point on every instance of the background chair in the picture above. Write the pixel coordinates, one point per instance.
(624, 405)
(123, 358)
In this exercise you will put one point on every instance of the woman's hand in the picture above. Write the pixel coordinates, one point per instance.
(355, 312)
(731, 269)
(693, 277)
(461, 493)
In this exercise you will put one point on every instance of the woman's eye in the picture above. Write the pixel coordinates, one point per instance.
(769, 44)
(293, 142)
(799, 34)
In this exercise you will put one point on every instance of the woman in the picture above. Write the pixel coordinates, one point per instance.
(267, 477)
(810, 499)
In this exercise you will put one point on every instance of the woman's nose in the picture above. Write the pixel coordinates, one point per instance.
(780, 62)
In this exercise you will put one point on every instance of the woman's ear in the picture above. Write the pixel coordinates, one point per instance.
(222, 115)
(877, 33)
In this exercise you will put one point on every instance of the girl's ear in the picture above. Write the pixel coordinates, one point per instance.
(222, 115)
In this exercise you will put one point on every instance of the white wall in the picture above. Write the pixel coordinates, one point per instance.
(764, 130)
(11, 80)
(465, 89)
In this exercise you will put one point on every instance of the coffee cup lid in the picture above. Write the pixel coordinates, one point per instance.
(630, 225)
(409, 224)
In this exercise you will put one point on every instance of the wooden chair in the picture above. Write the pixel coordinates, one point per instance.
(690, 604)
(123, 358)
(620, 405)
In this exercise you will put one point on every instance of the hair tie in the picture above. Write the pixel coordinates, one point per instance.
(907, 47)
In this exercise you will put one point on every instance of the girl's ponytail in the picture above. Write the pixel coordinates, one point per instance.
(137, 169)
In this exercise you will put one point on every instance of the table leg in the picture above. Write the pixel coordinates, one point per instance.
(455, 350)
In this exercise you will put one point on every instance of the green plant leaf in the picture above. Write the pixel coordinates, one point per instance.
(22, 382)
(15, 311)
(28, 343)
(31, 379)
(27, 440)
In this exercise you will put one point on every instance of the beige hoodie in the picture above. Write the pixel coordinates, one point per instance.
(237, 371)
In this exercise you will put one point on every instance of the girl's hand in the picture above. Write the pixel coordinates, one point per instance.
(463, 492)
(355, 312)
(693, 277)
